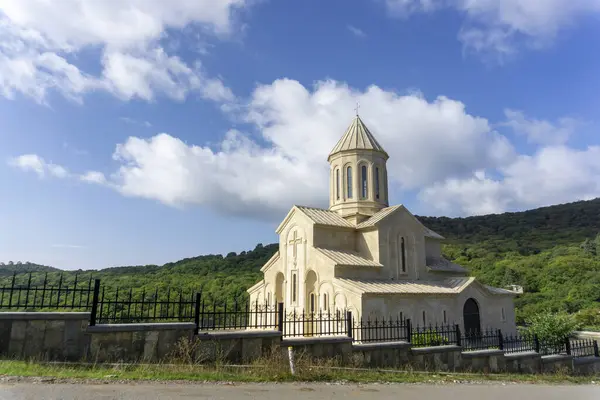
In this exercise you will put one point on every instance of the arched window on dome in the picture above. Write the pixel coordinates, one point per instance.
(363, 182)
(337, 183)
(349, 182)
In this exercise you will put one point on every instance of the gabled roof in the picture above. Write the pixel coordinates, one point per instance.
(318, 216)
(357, 137)
(274, 258)
(440, 264)
(347, 258)
(385, 212)
(448, 286)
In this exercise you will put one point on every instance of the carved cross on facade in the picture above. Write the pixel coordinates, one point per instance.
(294, 242)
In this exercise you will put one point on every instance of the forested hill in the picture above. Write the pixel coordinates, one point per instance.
(12, 267)
(553, 252)
(527, 232)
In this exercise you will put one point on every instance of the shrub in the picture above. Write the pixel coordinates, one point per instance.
(428, 338)
(551, 327)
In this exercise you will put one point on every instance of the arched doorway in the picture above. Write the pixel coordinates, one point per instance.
(279, 285)
(471, 318)
(311, 306)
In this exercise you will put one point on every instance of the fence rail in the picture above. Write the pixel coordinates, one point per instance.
(435, 335)
(381, 330)
(29, 296)
(321, 323)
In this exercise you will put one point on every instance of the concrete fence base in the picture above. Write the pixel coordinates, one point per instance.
(67, 337)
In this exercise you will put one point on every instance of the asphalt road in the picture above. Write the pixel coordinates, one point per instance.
(38, 391)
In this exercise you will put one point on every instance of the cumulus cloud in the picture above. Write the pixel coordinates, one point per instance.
(35, 163)
(554, 174)
(500, 26)
(456, 162)
(40, 41)
(541, 131)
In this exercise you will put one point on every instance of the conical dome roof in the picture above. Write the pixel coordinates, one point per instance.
(357, 137)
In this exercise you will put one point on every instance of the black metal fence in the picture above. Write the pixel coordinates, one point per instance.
(321, 323)
(435, 335)
(521, 344)
(129, 306)
(25, 295)
(381, 330)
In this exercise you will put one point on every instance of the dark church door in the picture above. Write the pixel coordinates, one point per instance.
(471, 318)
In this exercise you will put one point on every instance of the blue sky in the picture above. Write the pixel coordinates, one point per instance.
(139, 132)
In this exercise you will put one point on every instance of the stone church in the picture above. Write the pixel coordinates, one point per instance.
(371, 258)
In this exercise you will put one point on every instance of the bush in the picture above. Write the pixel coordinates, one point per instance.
(551, 327)
(589, 318)
(428, 338)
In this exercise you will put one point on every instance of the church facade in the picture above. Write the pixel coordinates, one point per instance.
(375, 260)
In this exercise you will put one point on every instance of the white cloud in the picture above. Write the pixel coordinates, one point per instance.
(455, 161)
(93, 177)
(541, 131)
(555, 174)
(39, 41)
(133, 121)
(357, 31)
(428, 143)
(35, 163)
(500, 26)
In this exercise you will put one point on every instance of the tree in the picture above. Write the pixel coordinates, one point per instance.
(551, 328)
(589, 246)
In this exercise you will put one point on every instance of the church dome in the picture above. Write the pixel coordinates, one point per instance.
(357, 137)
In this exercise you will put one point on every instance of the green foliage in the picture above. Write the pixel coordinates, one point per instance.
(428, 338)
(589, 318)
(551, 328)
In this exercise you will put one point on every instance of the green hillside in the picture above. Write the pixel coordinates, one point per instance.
(553, 252)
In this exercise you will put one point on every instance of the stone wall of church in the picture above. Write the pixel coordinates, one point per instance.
(424, 310)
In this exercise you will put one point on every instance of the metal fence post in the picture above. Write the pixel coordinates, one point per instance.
(408, 331)
(500, 340)
(197, 312)
(596, 353)
(536, 343)
(349, 323)
(568, 346)
(458, 335)
(94, 313)
(280, 317)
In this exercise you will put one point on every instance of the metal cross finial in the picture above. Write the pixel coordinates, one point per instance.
(357, 107)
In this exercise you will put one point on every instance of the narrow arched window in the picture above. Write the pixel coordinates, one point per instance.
(325, 303)
(294, 287)
(349, 181)
(377, 183)
(337, 183)
(363, 181)
(424, 319)
(403, 254)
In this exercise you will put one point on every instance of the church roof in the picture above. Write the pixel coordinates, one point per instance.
(383, 213)
(446, 286)
(357, 137)
(347, 258)
(325, 217)
(440, 264)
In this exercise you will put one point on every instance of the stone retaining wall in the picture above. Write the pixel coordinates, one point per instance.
(528, 362)
(67, 337)
(46, 336)
(382, 355)
(440, 358)
(136, 342)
